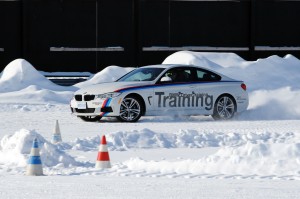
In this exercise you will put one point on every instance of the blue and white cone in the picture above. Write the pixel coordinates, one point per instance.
(56, 137)
(34, 164)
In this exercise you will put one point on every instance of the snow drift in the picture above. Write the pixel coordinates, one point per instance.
(271, 82)
(250, 159)
(15, 150)
(270, 73)
(108, 74)
(20, 74)
(183, 138)
(21, 82)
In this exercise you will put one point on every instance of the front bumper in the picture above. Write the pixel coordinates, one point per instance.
(95, 107)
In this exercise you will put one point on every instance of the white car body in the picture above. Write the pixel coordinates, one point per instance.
(158, 97)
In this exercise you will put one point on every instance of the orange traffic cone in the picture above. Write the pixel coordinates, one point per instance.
(103, 161)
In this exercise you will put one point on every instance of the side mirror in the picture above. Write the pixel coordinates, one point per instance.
(166, 79)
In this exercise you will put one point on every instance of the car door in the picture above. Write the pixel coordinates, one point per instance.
(205, 92)
(174, 96)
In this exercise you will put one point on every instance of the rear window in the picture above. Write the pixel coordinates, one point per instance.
(204, 75)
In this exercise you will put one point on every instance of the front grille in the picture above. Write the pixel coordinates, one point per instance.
(89, 97)
(88, 110)
(78, 97)
(85, 97)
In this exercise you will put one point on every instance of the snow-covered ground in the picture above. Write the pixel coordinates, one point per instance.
(255, 156)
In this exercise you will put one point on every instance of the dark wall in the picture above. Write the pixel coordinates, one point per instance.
(57, 23)
(116, 29)
(278, 25)
(10, 32)
(88, 35)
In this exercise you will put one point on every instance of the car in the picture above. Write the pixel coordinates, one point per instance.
(158, 90)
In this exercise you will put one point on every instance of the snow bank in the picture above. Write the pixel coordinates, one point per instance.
(108, 74)
(146, 139)
(271, 82)
(21, 82)
(35, 95)
(15, 150)
(205, 59)
(270, 73)
(20, 74)
(249, 159)
(279, 104)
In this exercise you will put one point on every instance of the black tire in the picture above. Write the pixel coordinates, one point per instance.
(224, 108)
(131, 109)
(90, 118)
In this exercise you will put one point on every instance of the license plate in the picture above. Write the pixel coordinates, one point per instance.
(81, 105)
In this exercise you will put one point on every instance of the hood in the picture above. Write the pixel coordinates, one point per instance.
(110, 87)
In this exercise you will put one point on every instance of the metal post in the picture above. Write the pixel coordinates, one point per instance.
(96, 35)
(136, 38)
(23, 37)
(169, 23)
(252, 29)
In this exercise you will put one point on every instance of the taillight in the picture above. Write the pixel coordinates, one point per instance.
(244, 87)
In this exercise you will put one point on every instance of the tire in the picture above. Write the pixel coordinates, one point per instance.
(90, 118)
(224, 108)
(131, 109)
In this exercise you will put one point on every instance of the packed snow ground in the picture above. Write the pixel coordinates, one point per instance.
(256, 155)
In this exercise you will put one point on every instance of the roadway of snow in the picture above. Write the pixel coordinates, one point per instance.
(256, 155)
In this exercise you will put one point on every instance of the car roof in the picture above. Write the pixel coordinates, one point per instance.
(169, 66)
(159, 66)
(165, 66)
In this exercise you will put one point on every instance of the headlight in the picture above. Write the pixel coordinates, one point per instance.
(108, 95)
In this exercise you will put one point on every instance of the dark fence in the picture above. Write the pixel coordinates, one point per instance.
(88, 35)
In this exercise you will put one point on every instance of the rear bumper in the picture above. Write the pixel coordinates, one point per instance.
(242, 102)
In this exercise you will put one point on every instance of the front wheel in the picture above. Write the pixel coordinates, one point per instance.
(90, 118)
(224, 108)
(131, 110)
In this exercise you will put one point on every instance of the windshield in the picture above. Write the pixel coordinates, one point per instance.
(141, 74)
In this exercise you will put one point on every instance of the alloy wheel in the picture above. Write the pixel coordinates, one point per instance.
(130, 110)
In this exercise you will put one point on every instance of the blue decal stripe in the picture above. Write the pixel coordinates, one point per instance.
(167, 85)
(108, 102)
(34, 160)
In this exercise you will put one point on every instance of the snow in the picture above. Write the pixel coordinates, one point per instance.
(257, 155)
(109, 74)
(21, 82)
(19, 74)
(15, 149)
(270, 73)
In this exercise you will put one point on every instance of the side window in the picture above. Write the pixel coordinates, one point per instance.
(203, 75)
(179, 74)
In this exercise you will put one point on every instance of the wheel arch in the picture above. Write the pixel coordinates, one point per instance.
(228, 95)
(140, 98)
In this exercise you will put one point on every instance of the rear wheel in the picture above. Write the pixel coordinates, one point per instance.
(90, 118)
(131, 109)
(224, 108)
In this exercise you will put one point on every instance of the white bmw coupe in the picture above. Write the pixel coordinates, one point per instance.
(162, 90)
